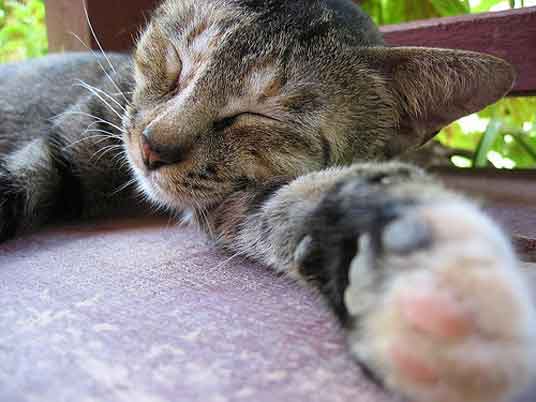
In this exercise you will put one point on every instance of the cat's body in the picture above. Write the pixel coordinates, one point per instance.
(243, 113)
(42, 122)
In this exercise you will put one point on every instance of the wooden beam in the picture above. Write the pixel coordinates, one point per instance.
(510, 197)
(66, 21)
(508, 34)
(116, 23)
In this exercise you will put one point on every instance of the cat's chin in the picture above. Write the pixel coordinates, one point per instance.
(151, 191)
(148, 185)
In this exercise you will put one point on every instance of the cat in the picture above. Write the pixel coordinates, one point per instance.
(273, 125)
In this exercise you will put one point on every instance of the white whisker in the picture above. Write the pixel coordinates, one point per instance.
(124, 186)
(205, 219)
(119, 156)
(97, 119)
(105, 150)
(125, 164)
(90, 129)
(93, 89)
(106, 103)
(106, 73)
(104, 133)
(97, 39)
(221, 265)
(91, 137)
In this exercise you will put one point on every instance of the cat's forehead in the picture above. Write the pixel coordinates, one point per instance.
(245, 58)
(197, 31)
(186, 20)
(213, 41)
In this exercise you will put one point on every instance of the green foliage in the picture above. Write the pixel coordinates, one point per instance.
(396, 11)
(22, 29)
(509, 137)
(502, 135)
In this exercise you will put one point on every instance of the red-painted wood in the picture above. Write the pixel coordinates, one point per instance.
(118, 22)
(67, 27)
(508, 34)
(510, 198)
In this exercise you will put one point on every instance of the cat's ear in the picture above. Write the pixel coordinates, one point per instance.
(434, 87)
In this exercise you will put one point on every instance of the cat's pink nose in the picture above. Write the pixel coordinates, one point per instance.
(150, 158)
(156, 155)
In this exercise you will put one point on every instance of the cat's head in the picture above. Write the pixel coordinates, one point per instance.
(230, 93)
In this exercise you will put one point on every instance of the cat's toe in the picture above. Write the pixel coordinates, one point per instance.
(449, 318)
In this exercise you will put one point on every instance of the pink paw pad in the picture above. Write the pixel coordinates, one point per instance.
(412, 367)
(437, 314)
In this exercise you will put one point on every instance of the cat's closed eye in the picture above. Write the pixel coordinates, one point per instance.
(159, 69)
(173, 68)
(229, 121)
(226, 122)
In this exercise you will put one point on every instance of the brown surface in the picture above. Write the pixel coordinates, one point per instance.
(65, 21)
(116, 23)
(505, 187)
(510, 196)
(139, 311)
(147, 312)
(507, 34)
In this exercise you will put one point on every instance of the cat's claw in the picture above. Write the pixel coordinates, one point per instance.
(446, 315)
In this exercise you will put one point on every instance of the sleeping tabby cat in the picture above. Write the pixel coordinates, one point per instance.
(270, 124)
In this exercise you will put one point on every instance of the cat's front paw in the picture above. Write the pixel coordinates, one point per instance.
(439, 310)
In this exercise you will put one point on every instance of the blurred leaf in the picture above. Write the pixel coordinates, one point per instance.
(450, 7)
(486, 143)
(22, 29)
(485, 5)
(519, 137)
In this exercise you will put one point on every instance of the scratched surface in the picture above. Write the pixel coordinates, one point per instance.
(151, 313)
(146, 312)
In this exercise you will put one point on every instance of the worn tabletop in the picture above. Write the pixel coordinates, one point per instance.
(143, 311)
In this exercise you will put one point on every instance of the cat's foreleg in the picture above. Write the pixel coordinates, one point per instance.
(29, 181)
(427, 286)
(69, 172)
